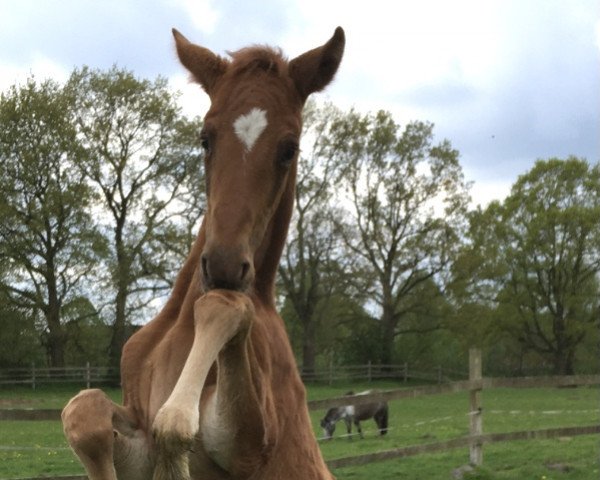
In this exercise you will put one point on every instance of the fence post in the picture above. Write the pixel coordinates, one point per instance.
(33, 375)
(369, 375)
(87, 375)
(330, 371)
(439, 374)
(405, 372)
(475, 412)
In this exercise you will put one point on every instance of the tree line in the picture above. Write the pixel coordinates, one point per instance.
(102, 191)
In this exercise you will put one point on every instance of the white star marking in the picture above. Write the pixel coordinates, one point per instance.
(249, 127)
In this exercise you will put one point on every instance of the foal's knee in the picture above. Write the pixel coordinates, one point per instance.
(87, 421)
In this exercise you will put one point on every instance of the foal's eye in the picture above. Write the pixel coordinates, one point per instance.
(205, 142)
(287, 152)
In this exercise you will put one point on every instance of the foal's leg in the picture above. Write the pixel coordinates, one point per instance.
(235, 418)
(104, 437)
(232, 415)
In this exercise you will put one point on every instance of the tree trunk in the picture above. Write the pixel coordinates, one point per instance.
(564, 352)
(118, 331)
(309, 350)
(56, 339)
(123, 272)
(388, 327)
(56, 335)
(563, 361)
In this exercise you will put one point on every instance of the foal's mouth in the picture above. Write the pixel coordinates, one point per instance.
(224, 285)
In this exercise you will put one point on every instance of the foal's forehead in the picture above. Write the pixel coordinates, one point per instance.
(256, 95)
(249, 126)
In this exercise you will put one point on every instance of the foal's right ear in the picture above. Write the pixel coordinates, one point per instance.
(313, 70)
(204, 65)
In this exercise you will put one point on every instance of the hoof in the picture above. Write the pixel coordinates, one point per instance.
(174, 429)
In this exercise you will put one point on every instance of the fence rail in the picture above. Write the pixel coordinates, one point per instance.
(86, 375)
(461, 442)
(92, 375)
(372, 371)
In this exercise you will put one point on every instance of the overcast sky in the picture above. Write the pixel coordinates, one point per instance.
(507, 82)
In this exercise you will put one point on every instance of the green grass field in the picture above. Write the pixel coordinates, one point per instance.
(29, 449)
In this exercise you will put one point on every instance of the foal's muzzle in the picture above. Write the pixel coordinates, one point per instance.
(227, 268)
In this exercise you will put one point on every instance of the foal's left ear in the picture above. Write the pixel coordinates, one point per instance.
(313, 70)
(204, 65)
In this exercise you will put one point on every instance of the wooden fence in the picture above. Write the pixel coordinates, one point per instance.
(373, 371)
(85, 376)
(89, 375)
(475, 440)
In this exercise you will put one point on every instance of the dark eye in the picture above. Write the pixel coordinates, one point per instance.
(287, 152)
(205, 142)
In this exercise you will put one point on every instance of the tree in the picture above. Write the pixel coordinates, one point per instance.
(309, 270)
(540, 260)
(143, 159)
(48, 241)
(407, 202)
(19, 339)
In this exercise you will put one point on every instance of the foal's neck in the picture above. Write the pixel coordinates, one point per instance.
(269, 253)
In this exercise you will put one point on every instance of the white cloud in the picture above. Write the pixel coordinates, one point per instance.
(194, 102)
(41, 68)
(485, 191)
(202, 13)
(401, 45)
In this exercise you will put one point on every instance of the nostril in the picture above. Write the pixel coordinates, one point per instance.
(221, 268)
(245, 270)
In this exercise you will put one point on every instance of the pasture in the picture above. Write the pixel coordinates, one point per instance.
(35, 449)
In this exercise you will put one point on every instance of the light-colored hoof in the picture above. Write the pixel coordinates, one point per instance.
(174, 429)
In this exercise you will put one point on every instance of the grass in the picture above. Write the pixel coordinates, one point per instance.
(39, 448)
(519, 460)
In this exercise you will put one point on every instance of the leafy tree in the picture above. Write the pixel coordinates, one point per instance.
(309, 270)
(19, 338)
(539, 259)
(48, 241)
(407, 203)
(143, 159)
(475, 298)
(88, 334)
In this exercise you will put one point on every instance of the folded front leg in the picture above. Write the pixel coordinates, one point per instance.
(105, 437)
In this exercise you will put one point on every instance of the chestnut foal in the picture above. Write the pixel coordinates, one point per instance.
(210, 385)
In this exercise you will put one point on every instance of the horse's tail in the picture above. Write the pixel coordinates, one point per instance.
(382, 419)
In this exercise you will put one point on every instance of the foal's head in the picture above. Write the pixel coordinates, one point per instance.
(250, 140)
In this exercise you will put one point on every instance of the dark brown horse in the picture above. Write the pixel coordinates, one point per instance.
(350, 414)
(210, 385)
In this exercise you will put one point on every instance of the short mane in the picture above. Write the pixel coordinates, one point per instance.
(258, 57)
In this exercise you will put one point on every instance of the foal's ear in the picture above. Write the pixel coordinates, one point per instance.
(313, 70)
(204, 65)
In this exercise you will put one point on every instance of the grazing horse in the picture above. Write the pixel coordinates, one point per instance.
(378, 411)
(210, 385)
